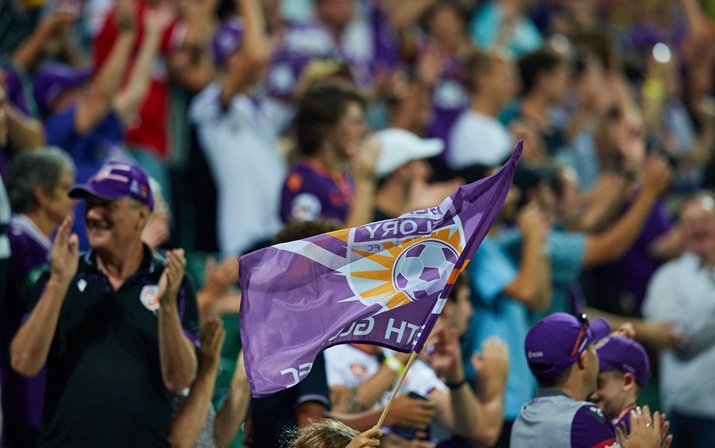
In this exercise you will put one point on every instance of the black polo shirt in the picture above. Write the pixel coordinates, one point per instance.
(104, 384)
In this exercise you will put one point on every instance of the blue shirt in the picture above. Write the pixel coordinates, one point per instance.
(88, 151)
(495, 314)
(567, 251)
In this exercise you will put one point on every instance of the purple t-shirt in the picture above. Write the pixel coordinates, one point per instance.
(22, 398)
(626, 280)
(312, 190)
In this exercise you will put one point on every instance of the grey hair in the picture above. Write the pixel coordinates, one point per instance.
(41, 167)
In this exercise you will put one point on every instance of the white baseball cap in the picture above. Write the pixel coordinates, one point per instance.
(400, 147)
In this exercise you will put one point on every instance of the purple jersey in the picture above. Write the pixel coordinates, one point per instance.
(312, 190)
(22, 398)
(624, 418)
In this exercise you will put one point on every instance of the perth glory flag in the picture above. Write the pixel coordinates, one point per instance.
(383, 283)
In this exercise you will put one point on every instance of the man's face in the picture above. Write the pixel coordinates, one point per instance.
(697, 220)
(558, 83)
(113, 224)
(445, 23)
(335, 13)
(610, 395)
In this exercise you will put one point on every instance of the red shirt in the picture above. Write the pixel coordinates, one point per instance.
(150, 131)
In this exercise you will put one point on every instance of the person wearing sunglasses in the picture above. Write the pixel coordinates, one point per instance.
(560, 351)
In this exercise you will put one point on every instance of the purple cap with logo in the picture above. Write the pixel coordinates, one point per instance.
(557, 341)
(54, 79)
(625, 355)
(226, 39)
(117, 180)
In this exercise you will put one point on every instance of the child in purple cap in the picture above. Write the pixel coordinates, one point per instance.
(560, 350)
(624, 371)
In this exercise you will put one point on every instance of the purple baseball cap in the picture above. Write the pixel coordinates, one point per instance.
(625, 355)
(117, 180)
(557, 341)
(53, 79)
(226, 39)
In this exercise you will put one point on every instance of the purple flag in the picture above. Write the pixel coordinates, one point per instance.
(383, 283)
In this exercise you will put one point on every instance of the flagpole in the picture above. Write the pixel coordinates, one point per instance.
(397, 387)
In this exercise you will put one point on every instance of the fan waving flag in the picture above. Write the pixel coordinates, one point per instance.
(382, 283)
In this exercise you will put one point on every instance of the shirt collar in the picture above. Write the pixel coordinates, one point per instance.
(148, 264)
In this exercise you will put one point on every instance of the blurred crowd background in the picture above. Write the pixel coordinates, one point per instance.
(248, 114)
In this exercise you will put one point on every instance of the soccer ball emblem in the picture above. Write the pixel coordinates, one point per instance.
(422, 270)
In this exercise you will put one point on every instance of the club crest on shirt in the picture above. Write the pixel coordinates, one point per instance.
(149, 297)
(358, 370)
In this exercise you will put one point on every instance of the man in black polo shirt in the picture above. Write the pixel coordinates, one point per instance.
(117, 327)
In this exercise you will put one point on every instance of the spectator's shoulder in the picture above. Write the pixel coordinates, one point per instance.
(590, 427)
(206, 104)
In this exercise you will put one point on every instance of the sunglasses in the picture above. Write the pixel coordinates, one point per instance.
(581, 338)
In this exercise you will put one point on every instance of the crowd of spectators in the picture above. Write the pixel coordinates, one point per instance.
(263, 121)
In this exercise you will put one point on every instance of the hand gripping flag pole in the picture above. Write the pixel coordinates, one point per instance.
(383, 416)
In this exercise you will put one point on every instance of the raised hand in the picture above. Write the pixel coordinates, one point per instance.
(656, 175)
(212, 337)
(369, 438)
(647, 431)
(220, 277)
(446, 359)
(171, 278)
(533, 222)
(64, 257)
(125, 15)
(159, 17)
(492, 367)
(363, 158)
(411, 412)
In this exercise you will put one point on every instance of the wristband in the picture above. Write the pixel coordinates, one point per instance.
(394, 364)
(457, 385)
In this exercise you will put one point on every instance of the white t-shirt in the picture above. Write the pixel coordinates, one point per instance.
(477, 138)
(348, 366)
(241, 147)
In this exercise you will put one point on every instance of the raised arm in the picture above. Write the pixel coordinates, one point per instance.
(176, 351)
(191, 65)
(128, 101)
(191, 416)
(31, 345)
(611, 244)
(93, 107)
(235, 408)
(23, 132)
(461, 410)
(31, 52)
(254, 52)
(532, 284)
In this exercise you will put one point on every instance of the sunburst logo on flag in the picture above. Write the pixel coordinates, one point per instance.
(410, 270)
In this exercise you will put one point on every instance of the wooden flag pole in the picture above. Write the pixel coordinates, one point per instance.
(397, 387)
